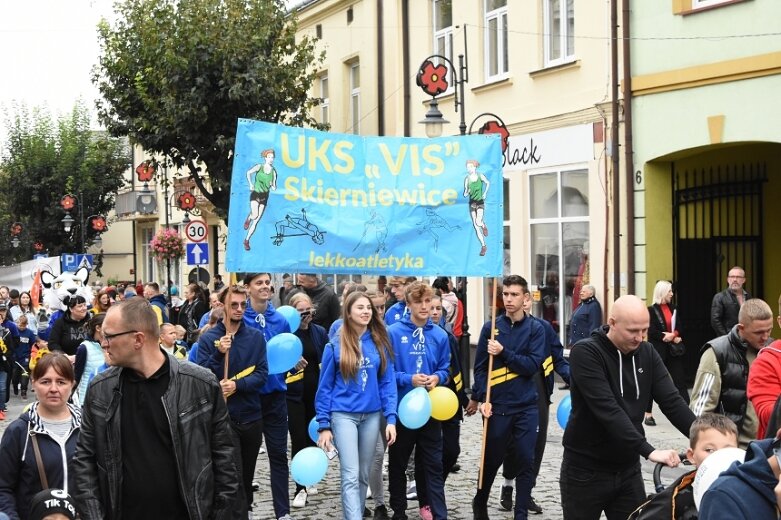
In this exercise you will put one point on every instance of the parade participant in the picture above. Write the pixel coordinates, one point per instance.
(302, 384)
(726, 305)
(725, 363)
(586, 317)
(519, 351)
(159, 305)
(102, 302)
(262, 315)
(71, 328)
(613, 375)
(324, 299)
(27, 339)
(764, 383)
(154, 431)
(168, 341)
(421, 359)
(37, 448)
(245, 349)
(357, 386)
(191, 311)
(25, 308)
(398, 286)
(89, 355)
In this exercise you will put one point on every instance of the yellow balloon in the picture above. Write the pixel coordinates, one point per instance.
(444, 403)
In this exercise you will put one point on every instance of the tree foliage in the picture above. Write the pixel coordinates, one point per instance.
(45, 159)
(176, 75)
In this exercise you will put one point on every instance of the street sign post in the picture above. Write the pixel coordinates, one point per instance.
(197, 254)
(196, 231)
(74, 261)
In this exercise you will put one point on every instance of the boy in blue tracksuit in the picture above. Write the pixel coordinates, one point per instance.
(261, 315)
(421, 359)
(247, 372)
(398, 310)
(518, 351)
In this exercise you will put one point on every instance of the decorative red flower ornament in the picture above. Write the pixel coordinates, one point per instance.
(16, 229)
(186, 201)
(98, 224)
(145, 171)
(495, 127)
(432, 78)
(38, 245)
(68, 202)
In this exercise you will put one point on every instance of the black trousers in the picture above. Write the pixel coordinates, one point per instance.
(511, 467)
(275, 433)
(299, 414)
(249, 437)
(586, 492)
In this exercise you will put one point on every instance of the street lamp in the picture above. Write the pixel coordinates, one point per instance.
(97, 223)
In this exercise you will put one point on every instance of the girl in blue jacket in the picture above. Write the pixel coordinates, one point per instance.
(357, 384)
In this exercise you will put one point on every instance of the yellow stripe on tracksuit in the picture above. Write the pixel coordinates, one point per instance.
(458, 381)
(292, 378)
(502, 375)
(547, 366)
(244, 373)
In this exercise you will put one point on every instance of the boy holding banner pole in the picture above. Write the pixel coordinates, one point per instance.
(508, 356)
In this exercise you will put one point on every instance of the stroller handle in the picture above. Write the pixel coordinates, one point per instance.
(658, 486)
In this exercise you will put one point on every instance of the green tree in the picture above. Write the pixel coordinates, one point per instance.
(176, 75)
(44, 159)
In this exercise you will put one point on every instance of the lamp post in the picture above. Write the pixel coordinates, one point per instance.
(96, 223)
(432, 78)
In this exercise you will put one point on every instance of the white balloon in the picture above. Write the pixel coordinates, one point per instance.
(711, 468)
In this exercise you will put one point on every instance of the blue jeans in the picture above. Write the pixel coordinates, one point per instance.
(355, 436)
(3, 382)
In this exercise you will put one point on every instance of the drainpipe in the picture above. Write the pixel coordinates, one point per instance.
(405, 64)
(380, 70)
(629, 163)
(616, 189)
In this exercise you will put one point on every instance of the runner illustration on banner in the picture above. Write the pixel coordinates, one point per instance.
(476, 189)
(434, 221)
(262, 178)
(377, 223)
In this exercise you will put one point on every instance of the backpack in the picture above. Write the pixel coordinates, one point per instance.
(675, 502)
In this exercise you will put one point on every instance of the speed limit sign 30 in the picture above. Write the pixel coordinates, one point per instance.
(195, 231)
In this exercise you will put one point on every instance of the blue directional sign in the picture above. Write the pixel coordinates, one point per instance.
(74, 261)
(197, 254)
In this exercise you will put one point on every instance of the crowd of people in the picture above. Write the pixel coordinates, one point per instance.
(134, 383)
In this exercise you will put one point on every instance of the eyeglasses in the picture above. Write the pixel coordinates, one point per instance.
(108, 337)
(306, 313)
(237, 305)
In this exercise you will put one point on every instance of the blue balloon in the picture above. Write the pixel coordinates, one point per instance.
(415, 408)
(283, 352)
(563, 411)
(309, 466)
(291, 315)
(313, 426)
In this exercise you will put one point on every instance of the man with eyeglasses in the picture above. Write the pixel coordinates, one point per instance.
(153, 431)
(726, 304)
(243, 349)
(262, 316)
(750, 489)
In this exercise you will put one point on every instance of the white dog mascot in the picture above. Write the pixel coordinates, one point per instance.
(57, 290)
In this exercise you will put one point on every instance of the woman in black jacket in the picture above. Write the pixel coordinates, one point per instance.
(50, 422)
(663, 335)
(71, 328)
(192, 310)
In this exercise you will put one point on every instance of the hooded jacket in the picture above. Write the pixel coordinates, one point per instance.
(19, 478)
(418, 350)
(160, 306)
(67, 334)
(270, 323)
(764, 385)
(610, 392)
(744, 491)
(368, 392)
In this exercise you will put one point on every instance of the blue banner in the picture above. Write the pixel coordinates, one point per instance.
(316, 202)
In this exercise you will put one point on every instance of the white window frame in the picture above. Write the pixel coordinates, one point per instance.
(699, 4)
(445, 34)
(559, 220)
(355, 98)
(551, 61)
(500, 15)
(326, 103)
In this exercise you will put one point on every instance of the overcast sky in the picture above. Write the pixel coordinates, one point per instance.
(48, 48)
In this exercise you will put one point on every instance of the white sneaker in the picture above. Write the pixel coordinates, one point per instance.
(368, 492)
(300, 499)
(286, 517)
(311, 490)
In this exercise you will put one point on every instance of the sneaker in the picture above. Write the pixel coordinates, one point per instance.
(482, 251)
(311, 490)
(456, 468)
(425, 513)
(285, 517)
(650, 421)
(300, 499)
(480, 512)
(381, 512)
(246, 248)
(506, 498)
(412, 492)
(534, 508)
(255, 486)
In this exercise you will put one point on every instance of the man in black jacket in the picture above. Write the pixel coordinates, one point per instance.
(155, 439)
(613, 375)
(726, 304)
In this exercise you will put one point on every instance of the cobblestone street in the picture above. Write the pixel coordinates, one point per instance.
(460, 487)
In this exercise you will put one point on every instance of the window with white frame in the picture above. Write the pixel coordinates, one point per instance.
(355, 98)
(496, 51)
(559, 243)
(325, 103)
(697, 4)
(443, 29)
(559, 31)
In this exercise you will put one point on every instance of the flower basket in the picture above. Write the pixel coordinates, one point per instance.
(166, 245)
